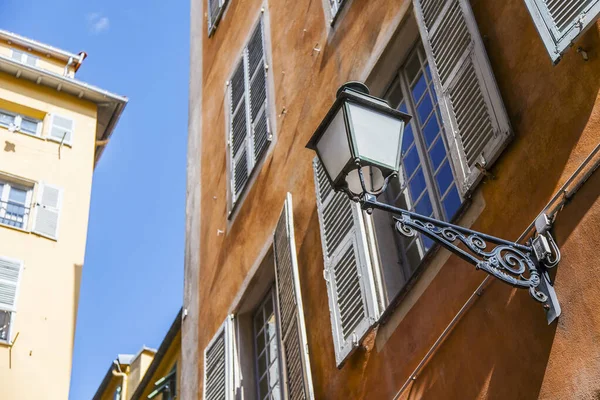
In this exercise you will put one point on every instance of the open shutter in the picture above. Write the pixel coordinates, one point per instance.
(218, 364)
(297, 377)
(48, 208)
(561, 22)
(61, 129)
(215, 11)
(348, 273)
(238, 132)
(10, 274)
(475, 121)
(257, 73)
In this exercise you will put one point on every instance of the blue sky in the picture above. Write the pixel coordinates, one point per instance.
(133, 275)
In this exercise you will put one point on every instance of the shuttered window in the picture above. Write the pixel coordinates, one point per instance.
(296, 370)
(348, 273)
(48, 206)
(561, 22)
(215, 11)
(218, 365)
(336, 5)
(10, 276)
(249, 133)
(475, 121)
(61, 129)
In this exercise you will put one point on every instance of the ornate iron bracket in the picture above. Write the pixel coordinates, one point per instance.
(521, 266)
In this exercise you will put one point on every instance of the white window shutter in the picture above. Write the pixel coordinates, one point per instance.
(61, 129)
(475, 120)
(48, 206)
(296, 363)
(348, 272)
(257, 74)
(238, 132)
(10, 276)
(215, 11)
(218, 364)
(561, 22)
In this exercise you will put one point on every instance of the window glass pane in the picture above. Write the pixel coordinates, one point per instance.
(425, 108)
(444, 177)
(451, 203)
(394, 95)
(4, 325)
(413, 66)
(424, 206)
(419, 88)
(431, 130)
(437, 153)
(417, 184)
(29, 126)
(411, 161)
(403, 108)
(408, 138)
(6, 119)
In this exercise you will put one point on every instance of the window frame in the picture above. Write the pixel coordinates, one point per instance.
(9, 338)
(17, 124)
(6, 186)
(212, 25)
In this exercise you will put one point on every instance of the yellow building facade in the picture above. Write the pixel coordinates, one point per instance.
(150, 374)
(53, 129)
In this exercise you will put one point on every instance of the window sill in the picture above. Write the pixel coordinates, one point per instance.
(14, 228)
(426, 273)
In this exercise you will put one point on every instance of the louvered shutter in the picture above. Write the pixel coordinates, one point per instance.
(350, 283)
(561, 22)
(297, 377)
(61, 129)
(10, 274)
(215, 11)
(218, 364)
(48, 208)
(238, 132)
(475, 121)
(258, 93)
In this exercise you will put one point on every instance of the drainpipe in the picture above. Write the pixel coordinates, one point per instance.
(123, 376)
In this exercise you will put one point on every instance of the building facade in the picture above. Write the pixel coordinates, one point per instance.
(149, 374)
(292, 291)
(53, 129)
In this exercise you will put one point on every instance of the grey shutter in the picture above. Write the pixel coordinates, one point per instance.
(350, 283)
(238, 131)
(257, 74)
(48, 210)
(297, 377)
(10, 273)
(560, 22)
(218, 365)
(475, 121)
(215, 11)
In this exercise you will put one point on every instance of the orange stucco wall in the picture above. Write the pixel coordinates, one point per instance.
(502, 348)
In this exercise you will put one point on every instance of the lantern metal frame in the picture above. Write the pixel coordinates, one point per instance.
(523, 266)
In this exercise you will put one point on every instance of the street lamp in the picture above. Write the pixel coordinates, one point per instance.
(359, 144)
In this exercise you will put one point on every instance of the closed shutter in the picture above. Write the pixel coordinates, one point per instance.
(215, 11)
(475, 121)
(48, 208)
(249, 129)
(218, 364)
(297, 377)
(10, 273)
(61, 129)
(350, 283)
(561, 22)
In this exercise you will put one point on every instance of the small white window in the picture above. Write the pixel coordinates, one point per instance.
(20, 123)
(15, 204)
(24, 57)
(10, 275)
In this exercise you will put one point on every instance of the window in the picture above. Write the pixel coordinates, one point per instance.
(21, 123)
(266, 350)
(215, 11)
(335, 6)
(270, 344)
(15, 204)
(561, 22)
(10, 275)
(459, 128)
(166, 386)
(249, 132)
(426, 183)
(117, 395)
(24, 57)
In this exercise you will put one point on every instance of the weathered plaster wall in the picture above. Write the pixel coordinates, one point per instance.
(502, 348)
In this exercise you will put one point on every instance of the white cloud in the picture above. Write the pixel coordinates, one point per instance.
(97, 23)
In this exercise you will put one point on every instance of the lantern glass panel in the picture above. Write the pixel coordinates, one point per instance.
(333, 146)
(376, 135)
(372, 176)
